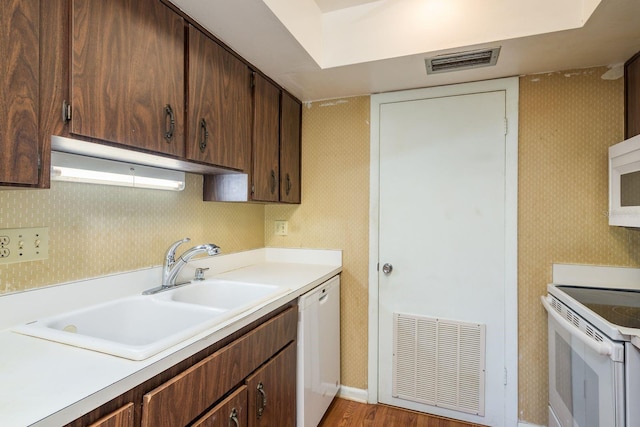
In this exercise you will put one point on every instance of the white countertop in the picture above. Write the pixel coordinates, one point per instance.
(43, 383)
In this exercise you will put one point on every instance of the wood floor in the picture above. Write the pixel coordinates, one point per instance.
(346, 413)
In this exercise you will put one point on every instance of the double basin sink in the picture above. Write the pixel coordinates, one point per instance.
(141, 326)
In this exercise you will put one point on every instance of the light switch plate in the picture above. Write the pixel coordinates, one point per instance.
(24, 244)
(281, 228)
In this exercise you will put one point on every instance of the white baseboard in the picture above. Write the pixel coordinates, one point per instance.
(523, 424)
(352, 393)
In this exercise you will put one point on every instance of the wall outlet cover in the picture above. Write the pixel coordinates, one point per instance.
(24, 244)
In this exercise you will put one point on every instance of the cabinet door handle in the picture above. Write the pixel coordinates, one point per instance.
(204, 135)
(170, 117)
(233, 418)
(274, 181)
(66, 112)
(288, 184)
(262, 399)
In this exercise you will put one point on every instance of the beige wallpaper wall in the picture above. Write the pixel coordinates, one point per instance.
(96, 230)
(567, 122)
(335, 213)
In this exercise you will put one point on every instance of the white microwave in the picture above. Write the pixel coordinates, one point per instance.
(624, 183)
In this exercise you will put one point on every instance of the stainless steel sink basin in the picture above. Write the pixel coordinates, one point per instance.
(225, 294)
(134, 328)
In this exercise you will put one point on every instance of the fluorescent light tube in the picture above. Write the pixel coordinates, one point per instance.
(83, 169)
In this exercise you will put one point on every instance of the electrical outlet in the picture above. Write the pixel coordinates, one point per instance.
(281, 228)
(24, 244)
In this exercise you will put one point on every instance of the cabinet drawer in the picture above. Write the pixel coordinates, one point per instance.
(123, 417)
(231, 412)
(184, 397)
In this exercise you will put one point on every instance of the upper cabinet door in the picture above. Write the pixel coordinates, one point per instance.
(266, 140)
(290, 118)
(632, 96)
(127, 74)
(19, 74)
(219, 105)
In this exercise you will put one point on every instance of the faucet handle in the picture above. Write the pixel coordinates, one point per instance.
(171, 252)
(200, 273)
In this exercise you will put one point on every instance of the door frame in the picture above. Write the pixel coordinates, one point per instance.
(511, 88)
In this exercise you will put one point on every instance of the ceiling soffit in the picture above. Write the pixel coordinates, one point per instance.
(345, 32)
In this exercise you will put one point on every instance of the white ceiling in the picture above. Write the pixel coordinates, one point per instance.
(330, 5)
(320, 49)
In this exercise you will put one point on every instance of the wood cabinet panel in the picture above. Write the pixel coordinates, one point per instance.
(184, 397)
(219, 105)
(632, 96)
(231, 412)
(266, 140)
(54, 78)
(127, 67)
(290, 119)
(19, 91)
(272, 391)
(123, 417)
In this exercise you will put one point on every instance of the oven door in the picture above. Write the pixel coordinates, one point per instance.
(586, 374)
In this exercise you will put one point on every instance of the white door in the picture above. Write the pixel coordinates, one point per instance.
(443, 209)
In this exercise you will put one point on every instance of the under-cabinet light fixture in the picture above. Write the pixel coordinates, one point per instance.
(76, 168)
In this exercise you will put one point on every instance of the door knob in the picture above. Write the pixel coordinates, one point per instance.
(387, 268)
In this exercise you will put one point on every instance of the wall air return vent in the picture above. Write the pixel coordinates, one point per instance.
(462, 60)
(439, 362)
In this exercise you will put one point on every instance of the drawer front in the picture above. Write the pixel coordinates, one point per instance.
(231, 412)
(181, 399)
(123, 417)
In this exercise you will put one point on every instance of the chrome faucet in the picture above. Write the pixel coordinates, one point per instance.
(172, 267)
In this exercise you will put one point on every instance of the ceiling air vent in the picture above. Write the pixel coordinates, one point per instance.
(462, 60)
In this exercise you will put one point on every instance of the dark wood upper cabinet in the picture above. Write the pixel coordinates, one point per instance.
(135, 75)
(290, 118)
(276, 144)
(632, 96)
(219, 105)
(19, 89)
(266, 140)
(127, 74)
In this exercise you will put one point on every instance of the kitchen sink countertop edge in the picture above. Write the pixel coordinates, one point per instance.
(44, 383)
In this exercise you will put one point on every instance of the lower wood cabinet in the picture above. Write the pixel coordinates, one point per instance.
(218, 386)
(231, 412)
(272, 391)
(122, 417)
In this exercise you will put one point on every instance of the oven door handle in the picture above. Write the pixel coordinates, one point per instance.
(602, 348)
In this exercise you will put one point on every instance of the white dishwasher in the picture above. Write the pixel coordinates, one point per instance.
(318, 351)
